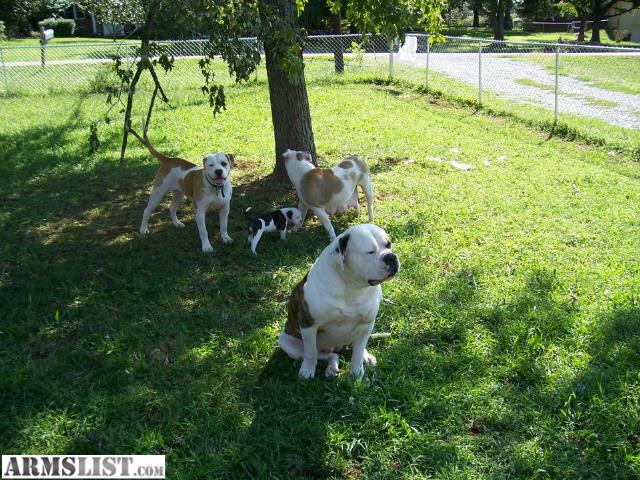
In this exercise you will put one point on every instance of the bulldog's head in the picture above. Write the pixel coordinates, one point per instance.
(217, 167)
(367, 255)
(296, 156)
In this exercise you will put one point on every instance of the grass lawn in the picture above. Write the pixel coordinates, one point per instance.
(35, 42)
(532, 36)
(574, 126)
(514, 318)
(617, 73)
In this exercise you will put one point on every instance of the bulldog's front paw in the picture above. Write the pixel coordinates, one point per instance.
(207, 248)
(357, 371)
(144, 230)
(307, 372)
(331, 371)
(370, 359)
(178, 224)
(227, 239)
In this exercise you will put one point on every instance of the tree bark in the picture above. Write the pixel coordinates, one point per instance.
(498, 29)
(595, 29)
(338, 53)
(476, 16)
(596, 16)
(583, 28)
(508, 21)
(287, 90)
(144, 63)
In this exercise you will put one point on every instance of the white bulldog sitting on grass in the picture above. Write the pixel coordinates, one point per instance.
(336, 303)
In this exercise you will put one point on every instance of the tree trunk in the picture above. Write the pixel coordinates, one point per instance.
(287, 90)
(583, 28)
(476, 17)
(144, 62)
(338, 56)
(595, 29)
(596, 16)
(498, 29)
(508, 21)
(493, 15)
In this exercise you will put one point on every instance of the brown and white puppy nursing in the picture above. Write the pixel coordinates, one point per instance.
(336, 303)
(327, 189)
(209, 187)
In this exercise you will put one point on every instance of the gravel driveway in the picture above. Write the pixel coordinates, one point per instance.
(501, 76)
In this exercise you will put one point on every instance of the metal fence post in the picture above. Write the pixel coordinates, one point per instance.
(258, 64)
(426, 79)
(4, 71)
(555, 106)
(390, 57)
(480, 73)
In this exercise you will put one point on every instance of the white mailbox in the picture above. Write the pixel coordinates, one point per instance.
(46, 35)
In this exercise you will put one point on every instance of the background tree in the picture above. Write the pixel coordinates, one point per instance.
(23, 15)
(537, 9)
(496, 18)
(149, 55)
(477, 8)
(336, 28)
(276, 24)
(456, 10)
(579, 9)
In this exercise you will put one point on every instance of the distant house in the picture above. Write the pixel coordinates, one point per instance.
(89, 24)
(627, 23)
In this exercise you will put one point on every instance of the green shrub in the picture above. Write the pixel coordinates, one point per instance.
(105, 80)
(3, 35)
(62, 27)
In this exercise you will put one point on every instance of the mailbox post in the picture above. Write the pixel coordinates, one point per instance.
(45, 36)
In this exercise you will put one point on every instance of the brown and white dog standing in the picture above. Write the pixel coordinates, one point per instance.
(209, 187)
(327, 189)
(336, 303)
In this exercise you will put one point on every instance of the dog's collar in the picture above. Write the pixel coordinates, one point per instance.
(219, 188)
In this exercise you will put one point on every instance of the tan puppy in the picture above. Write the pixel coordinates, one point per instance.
(327, 189)
(208, 186)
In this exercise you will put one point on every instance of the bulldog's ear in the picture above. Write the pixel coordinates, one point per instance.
(343, 241)
(231, 158)
(289, 214)
(204, 159)
(304, 156)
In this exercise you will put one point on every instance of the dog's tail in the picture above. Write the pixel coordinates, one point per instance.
(145, 141)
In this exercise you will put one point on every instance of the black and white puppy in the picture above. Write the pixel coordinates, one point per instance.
(275, 221)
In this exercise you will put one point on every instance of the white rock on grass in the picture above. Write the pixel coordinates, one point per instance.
(460, 165)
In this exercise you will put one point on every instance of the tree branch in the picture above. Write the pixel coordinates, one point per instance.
(137, 135)
(146, 123)
(152, 70)
(127, 115)
(620, 13)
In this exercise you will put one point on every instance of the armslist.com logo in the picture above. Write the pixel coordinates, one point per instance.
(83, 466)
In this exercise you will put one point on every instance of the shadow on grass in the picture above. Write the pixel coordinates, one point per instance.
(109, 337)
(431, 380)
(113, 343)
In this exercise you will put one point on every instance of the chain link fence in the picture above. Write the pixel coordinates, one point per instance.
(543, 81)
(547, 81)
